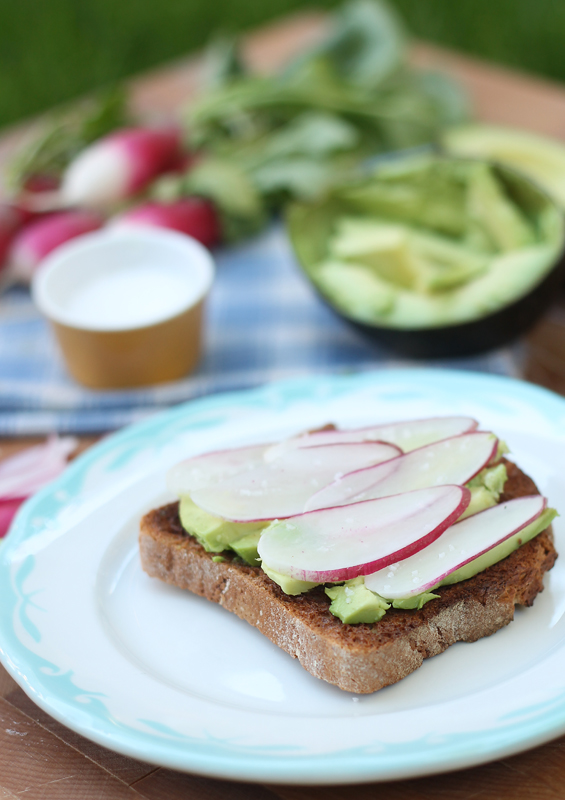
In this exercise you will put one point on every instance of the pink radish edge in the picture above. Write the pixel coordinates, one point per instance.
(417, 449)
(347, 573)
(430, 584)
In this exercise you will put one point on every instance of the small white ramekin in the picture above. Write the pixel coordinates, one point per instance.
(151, 342)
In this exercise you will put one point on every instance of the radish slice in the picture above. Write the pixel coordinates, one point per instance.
(24, 473)
(280, 488)
(8, 509)
(209, 469)
(407, 435)
(460, 544)
(337, 544)
(454, 460)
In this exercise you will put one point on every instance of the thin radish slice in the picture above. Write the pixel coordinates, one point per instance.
(454, 460)
(280, 488)
(8, 509)
(337, 544)
(24, 473)
(407, 435)
(459, 545)
(209, 469)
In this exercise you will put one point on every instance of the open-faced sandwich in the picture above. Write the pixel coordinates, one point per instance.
(359, 552)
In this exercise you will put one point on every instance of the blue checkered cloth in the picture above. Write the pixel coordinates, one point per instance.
(264, 322)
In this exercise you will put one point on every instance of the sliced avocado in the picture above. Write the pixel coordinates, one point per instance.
(383, 257)
(421, 190)
(352, 602)
(355, 289)
(541, 158)
(481, 499)
(486, 488)
(492, 478)
(246, 548)
(490, 209)
(289, 585)
(445, 263)
(213, 533)
(383, 248)
(416, 602)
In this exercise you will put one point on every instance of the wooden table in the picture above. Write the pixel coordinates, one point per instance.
(39, 758)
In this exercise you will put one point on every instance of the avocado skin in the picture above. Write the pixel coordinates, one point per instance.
(469, 338)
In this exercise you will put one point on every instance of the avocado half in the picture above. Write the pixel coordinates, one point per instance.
(311, 226)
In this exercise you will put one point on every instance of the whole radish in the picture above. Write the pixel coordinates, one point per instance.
(40, 237)
(120, 165)
(191, 215)
(11, 220)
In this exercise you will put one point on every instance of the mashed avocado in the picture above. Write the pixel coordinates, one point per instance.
(216, 534)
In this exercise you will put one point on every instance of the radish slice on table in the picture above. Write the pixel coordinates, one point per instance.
(337, 544)
(459, 545)
(407, 435)
(454, 460)
(24, 473)
(209, 469)
(280, 488)
(27, 471)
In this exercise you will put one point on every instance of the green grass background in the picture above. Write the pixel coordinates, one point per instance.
(54, 50)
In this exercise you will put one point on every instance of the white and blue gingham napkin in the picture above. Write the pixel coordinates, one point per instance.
(264, 322)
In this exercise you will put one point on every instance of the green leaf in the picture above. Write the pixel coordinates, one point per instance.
(313, 134)
(366, 46)
(223, 62)
(229, 187)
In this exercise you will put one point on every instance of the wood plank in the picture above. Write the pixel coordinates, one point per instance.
(536, 775)
(172, 785)
(127, 770)
(499, 95)
(36, 764)
(7, 684)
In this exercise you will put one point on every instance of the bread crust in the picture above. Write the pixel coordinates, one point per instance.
(358, 658)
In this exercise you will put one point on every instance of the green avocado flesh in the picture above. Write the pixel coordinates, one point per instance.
(216, 535)
(428, 242)
(542, 159)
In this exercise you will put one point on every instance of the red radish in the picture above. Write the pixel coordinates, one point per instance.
(8, 509)
(454, 460)
(280, 488)
(191, 215)
(24, 473)
(336, 544)
(407, 435)
(460, 544)
(40, 237)
(41, 183)
(120, 165)
(11, 220)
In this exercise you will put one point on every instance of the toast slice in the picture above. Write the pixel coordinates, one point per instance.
(358, 658)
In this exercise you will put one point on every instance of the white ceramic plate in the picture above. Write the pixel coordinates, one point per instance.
(164, 676)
